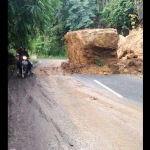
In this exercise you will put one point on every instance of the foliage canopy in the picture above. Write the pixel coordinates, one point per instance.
(40, 25)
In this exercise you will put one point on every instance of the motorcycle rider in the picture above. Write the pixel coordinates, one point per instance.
(19, 55)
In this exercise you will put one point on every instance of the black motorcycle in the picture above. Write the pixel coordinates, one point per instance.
(24, 70)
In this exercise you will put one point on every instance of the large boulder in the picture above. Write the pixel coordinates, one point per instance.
(89, 45)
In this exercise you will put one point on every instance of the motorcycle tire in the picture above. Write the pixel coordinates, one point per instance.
(24, 72)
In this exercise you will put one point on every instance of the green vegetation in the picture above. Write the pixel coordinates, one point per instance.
(117, 14)
(11, 67)
(11, 62)
(101, 64)
(40, 25)
(98, 62)
(46, 56)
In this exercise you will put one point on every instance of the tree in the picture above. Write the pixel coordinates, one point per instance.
(80, 14)
(116, 15)
(25, 16)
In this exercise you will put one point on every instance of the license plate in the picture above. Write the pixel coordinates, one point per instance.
(24, 62)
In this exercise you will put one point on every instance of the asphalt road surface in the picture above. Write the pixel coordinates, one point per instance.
(127, 87)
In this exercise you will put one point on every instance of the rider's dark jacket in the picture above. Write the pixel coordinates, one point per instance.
(21, 53)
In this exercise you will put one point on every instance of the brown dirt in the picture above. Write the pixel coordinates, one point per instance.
(129, 53)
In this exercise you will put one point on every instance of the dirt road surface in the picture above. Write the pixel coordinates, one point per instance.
(50, 110)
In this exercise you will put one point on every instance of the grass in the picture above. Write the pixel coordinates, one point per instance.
(98, 62)
(45, 56)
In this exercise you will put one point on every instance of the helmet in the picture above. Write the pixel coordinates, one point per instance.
(23, 47)
(20, 48)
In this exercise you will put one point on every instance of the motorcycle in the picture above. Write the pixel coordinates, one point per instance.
(24, 67)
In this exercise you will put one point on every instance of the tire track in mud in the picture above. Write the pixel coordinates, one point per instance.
(59, 112)
(18, 112)
(34, 108)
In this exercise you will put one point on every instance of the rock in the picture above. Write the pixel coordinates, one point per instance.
(89, 48)
(131, 63)
(133, 43)
(85, 46)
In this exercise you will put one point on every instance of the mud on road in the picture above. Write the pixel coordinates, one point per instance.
(50, 110)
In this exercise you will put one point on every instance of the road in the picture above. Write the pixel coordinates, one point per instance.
(50, 110)
(127, 87)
